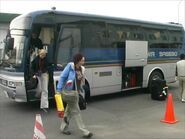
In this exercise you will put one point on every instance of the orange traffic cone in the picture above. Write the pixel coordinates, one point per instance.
(38, 129)
(169, 115)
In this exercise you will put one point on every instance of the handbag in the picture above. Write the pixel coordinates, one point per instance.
(73, 96)
(32, 83)
(82, 103)
(70, 96)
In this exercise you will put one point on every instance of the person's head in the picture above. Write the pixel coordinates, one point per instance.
(182, 56)
(34, 35)
(79, 59)
(42, 53)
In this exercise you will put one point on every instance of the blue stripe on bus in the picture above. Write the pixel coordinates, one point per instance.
(162, 53)
(112, 54)
(117, 55)
(104, 54)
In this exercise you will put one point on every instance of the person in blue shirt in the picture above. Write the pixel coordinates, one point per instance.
(72, 78)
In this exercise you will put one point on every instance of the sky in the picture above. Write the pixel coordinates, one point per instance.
(161, 11)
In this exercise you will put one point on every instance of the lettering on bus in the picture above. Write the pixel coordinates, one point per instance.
(151, 54)
(162, 54)
(159, 54)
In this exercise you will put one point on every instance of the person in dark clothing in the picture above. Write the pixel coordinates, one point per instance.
(35, 45)
(40, 68)
(35, 41)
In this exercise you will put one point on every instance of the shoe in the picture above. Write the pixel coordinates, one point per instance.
(64, 128)
(45, 110)
(88, 135)
(183, 100)
(66, 132)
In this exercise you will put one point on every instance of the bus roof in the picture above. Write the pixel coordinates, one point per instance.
(109, 19)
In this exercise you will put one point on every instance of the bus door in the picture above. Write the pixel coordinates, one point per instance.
(46, 35)
(136, 54)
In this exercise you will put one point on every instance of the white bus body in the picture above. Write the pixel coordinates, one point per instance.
(121, 54)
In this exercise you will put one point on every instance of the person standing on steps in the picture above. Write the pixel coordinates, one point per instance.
(35, 45)
(40, 68)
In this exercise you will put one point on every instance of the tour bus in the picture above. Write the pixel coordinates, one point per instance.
(120, 54)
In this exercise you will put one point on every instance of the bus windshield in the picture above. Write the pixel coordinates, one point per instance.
(12, 58)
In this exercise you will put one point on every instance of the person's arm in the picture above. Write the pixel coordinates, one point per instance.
(63, 77)
(49, 65)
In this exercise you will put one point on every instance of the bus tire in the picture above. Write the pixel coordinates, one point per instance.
(154, 74)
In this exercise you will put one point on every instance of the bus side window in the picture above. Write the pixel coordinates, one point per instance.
(69, 44)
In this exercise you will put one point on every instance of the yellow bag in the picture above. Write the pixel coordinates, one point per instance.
(59, 104)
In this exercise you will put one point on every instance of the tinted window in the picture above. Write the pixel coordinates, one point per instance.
(69, 44)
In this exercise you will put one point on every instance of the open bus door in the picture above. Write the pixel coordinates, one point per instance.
(136, 54)
(46, 34)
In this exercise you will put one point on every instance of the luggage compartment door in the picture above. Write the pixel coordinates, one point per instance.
(136, 53)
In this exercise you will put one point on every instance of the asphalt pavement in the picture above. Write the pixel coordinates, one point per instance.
(128, 115)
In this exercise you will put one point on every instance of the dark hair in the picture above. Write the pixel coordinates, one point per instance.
(182, 56)
(77, 58)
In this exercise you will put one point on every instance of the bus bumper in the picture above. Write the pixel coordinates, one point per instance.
(12, 93)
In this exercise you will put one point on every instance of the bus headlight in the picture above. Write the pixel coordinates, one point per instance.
(14, 84)
(11, 84)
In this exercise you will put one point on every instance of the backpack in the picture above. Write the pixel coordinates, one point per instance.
(158, 89)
